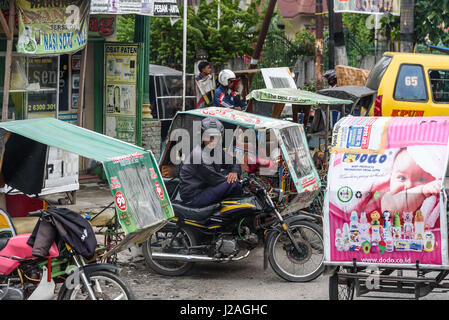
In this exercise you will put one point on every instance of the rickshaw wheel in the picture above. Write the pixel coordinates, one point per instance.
(340, 289)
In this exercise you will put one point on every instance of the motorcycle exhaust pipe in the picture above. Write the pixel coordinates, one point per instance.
(192, 258)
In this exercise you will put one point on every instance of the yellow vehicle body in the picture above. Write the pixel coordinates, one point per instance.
(410, 85)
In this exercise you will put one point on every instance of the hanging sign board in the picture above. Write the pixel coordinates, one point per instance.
(385, 200)
(120, 91)
(52, 27)
(368, 6)
(160, 8)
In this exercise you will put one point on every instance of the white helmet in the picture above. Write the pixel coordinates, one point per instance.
(225, 75)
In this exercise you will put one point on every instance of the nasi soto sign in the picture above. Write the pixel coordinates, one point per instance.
(52, 26)
(368, 6)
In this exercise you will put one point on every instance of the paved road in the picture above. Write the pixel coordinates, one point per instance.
(238, 280)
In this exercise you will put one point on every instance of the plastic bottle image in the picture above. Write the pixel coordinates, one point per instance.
(387, 224)
(429, 241)
(346, 244)
(354, 232)
(408, 225)
(364, 228)
(339, 240)
(396, 228)
(354, 221)
(419, 225)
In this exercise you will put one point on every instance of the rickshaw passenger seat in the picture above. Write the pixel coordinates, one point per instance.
(183, 211)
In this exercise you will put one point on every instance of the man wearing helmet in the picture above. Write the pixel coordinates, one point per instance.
(225, 96)
(204, 181)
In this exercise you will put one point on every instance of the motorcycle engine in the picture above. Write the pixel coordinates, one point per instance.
(226, 246)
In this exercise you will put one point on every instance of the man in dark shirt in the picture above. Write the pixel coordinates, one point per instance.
(204, 85)
(203, 181)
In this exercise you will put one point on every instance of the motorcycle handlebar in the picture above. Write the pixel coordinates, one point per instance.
(37, 213)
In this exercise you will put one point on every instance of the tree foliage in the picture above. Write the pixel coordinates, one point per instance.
(432, 22)
(236, 36)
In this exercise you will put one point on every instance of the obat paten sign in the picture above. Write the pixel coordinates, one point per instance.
(53, 26)
(385, 201)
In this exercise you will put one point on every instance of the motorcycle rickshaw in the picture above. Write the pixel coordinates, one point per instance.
(317, 112)
(385, 218)
(140, 198)
(279, 180)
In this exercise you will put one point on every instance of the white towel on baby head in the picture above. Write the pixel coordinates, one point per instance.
(430, 158)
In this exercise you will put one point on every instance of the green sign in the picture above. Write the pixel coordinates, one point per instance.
(53, 26)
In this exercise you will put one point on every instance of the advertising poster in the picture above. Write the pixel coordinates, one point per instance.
(385, 199)
(52, 27)
(120, 91)
(368, 6)
(161, 8)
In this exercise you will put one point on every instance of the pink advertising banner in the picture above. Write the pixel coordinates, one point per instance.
(385, 201)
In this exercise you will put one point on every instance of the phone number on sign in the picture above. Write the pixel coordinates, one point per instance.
(41, 107)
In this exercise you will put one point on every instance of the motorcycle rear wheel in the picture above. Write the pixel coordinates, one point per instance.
(161, 239)
(290, 265)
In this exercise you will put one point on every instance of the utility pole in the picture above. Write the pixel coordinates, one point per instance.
(261, 39)
(341, 57)
(319, 45)
(407, 25)
(331, 48)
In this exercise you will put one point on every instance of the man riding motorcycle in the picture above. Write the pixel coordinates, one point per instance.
(203, 181)
(225, 95)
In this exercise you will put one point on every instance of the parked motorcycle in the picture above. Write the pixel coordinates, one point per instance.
(24, 276)
(228, 231)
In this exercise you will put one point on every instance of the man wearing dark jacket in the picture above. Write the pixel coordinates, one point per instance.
(203, 181)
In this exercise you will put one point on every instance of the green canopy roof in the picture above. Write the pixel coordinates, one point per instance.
(294, 96)
(69, 137)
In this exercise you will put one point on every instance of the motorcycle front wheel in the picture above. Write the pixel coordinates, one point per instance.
(292, 265)
(169, 239)
(106, 286)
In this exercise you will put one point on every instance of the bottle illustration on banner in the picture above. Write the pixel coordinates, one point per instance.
(346, 243)
(354, 232)
(429, 241)
(339, 240)
(387, 224)
(364, 228)
(396, 228)
(408, 225)
(419, 225)
(376, 230)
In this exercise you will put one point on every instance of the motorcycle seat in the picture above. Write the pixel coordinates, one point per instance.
(3, 243)
(183, 211)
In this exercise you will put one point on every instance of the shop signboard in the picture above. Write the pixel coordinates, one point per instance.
(368, 6)
(120, 91)
(52, 27)
(161, 8)
(103, 26)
